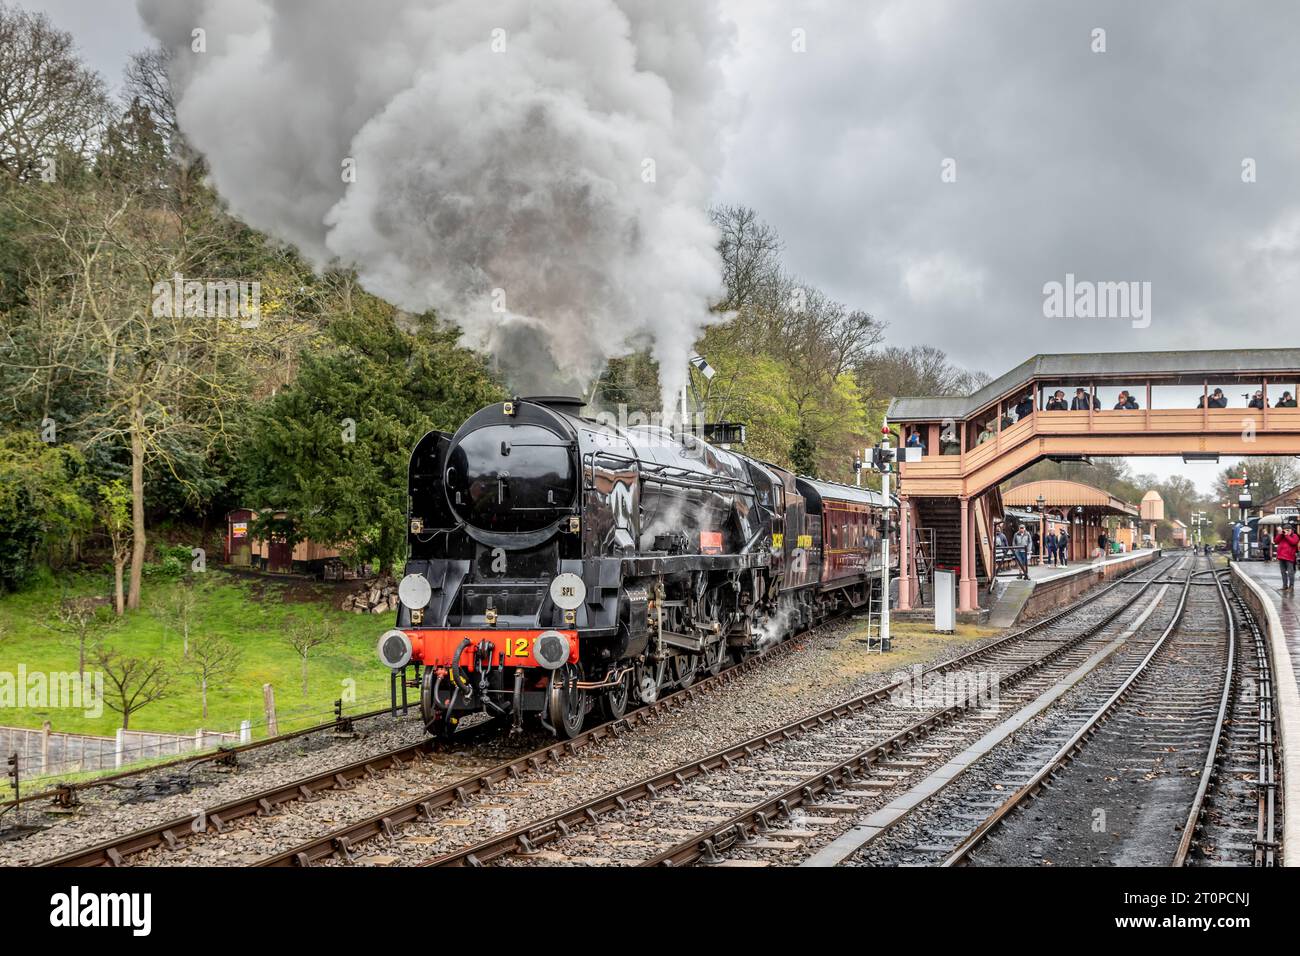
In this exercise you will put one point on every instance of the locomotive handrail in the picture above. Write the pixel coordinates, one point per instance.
(652, 470)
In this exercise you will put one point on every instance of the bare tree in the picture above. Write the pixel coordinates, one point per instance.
(751, 255)
(304, 638)
(51, 103)
(145, 80)
(916, 371)
(1269, 477)
(135, 681)
(79, 619)
(210, 661)
(177, 610)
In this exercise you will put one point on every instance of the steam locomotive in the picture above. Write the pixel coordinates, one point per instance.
(560, 566)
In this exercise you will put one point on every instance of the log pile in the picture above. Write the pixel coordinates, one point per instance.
(376, 597)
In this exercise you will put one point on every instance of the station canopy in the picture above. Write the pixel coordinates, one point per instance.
(1072, 495)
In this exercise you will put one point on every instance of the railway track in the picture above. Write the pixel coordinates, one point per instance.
(217, 819)
(1168, 759)
(1135, 769)
(774, 777)
(1156, 736)
(1240, 822)
(342, 842)
(1240, 815)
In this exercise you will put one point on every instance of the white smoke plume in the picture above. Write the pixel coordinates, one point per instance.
(501, 152)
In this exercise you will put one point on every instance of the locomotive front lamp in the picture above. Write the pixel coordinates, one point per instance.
(394, 649)
(551, 649)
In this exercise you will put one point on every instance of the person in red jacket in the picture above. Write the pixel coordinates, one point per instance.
(1287, 541)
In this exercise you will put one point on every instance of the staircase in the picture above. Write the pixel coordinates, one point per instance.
(939, 521)
(942, 517)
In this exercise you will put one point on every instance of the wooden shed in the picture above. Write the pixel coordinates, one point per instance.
(274, 554)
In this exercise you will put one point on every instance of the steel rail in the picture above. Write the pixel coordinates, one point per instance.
(1193, 824)
(173, 832)
(530, 837)
(114, 852)
(736, 831)
(65, 794)
(1266, 845)
(1073, 746)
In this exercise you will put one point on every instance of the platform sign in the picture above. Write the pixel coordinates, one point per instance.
(1287, 511)
(1234, 482)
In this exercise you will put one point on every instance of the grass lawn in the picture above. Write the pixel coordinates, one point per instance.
(912, 642)
(253, 614)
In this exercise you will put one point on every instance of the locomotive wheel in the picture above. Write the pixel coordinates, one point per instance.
(686, 667)
(613, 702)
(654, 678)
(716, 658)
(566, 705)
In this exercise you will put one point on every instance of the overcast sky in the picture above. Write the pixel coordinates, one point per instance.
(1123, 165)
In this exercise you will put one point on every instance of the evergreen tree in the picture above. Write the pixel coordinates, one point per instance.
(803, 454)
(331, 449)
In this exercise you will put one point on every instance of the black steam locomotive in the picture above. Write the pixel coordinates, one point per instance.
(559, 565)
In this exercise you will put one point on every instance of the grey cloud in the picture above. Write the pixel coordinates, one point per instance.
(1123, 165)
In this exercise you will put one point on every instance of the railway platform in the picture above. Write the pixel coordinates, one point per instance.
(1279, 611)
(1050, 587)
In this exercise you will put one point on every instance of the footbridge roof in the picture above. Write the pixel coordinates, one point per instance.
(1172, 367)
